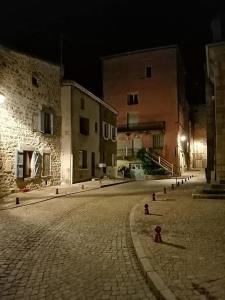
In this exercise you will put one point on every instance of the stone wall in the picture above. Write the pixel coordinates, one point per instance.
(29, 85)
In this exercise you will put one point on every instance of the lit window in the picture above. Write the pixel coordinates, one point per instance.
(82, 159)
(28, 164)
(132, 99)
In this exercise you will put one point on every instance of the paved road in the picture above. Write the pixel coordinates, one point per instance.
(76, 247)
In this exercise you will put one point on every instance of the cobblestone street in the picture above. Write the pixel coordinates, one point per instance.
(74, 247)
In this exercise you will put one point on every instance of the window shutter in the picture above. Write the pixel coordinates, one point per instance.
(37, 163)
(41, 121)
(52, 123)
(19, 164)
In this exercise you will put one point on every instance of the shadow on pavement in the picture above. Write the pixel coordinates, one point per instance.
(174, 245)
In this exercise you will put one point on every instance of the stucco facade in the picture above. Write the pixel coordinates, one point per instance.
(215, 99)
(147, 89)
(82, 134)
(30, 122)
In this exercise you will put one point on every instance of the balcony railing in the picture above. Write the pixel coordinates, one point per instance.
(142, 126)
(129, 152)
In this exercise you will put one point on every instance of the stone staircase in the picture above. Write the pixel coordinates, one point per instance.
(160, 161)
(212, 191)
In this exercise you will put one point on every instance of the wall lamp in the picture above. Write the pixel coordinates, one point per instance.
(2, 98)
(183, 138)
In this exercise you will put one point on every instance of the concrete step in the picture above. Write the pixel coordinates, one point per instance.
(217, 186)
(213, 191)
(208, 196)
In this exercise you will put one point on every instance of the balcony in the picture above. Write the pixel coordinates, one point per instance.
(141, 127)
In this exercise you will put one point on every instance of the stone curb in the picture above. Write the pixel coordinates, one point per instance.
(156, 284)
(60, 195)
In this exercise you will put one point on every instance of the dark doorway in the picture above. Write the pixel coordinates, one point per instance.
(92, 164)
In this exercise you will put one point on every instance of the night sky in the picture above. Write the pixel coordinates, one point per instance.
(92, 29)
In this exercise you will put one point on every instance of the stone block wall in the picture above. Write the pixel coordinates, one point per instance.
(29, 85)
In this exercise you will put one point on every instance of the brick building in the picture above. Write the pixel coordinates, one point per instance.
(147, 89)
(30, 122)
(88, 135)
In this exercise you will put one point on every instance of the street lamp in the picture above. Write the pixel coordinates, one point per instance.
(2, 98)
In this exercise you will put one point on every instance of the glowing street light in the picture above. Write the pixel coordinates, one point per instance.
(183, 138)
(2, 98)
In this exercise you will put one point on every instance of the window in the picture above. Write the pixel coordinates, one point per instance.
(148, 72)
(34, 81)
(46, 121)
(132, 99)
(82, 103)
(96, 127)
(27, 156)
(28, 164)
(84, 126)
(46, 164)
(113, 133)
(105, 129)
(158, 141)
(82, 159)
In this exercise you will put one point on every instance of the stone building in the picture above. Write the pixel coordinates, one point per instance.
(215, 101)
(88, 134)
(198, 141)
(30, 122)
(147, 89)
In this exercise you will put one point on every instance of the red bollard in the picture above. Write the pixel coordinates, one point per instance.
(153, 197)
(172, 186)
(158, 238)
(146, 209)
(164, 190)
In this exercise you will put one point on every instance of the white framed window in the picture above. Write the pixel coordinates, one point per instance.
(113, 133)
(28, 164)
(105, 130)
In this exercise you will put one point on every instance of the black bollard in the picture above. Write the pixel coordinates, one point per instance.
(17, 200)
(164, 190)
(182, 181)
(178, 183)
(172, 186)
(153, 197)
(57, 191)
(146, 209)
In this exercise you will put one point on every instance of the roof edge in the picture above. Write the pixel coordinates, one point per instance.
(12, 49)
(85, 91)
(139, 51)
